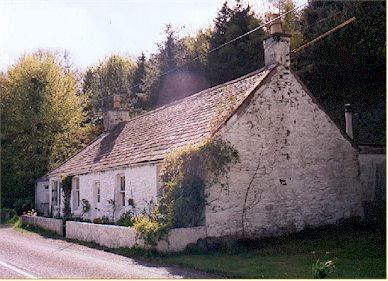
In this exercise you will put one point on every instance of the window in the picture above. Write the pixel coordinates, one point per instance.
(46, 195)
(76, 197)
(54, 195)
(122, 190)
(59, 188)
(97, 188)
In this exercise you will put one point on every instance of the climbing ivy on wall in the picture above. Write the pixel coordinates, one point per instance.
(185, 174)
(66, 182)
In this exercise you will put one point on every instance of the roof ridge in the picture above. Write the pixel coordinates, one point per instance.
(198, 93)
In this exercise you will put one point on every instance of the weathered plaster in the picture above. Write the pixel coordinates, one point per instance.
(42, 197)
(140, 185)
(296, 167)
(118, 236)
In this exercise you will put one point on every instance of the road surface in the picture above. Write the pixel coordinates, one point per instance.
(28, 255)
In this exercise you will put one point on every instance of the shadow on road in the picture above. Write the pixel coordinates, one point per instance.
(141, 257)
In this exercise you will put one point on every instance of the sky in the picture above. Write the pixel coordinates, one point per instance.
(90, 30)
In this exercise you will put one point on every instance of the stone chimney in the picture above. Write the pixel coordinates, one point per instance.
(277, 45)
(349, 120)
(116, 115)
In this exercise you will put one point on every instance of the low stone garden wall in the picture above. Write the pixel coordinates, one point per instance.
(54, 225)
(114, 236)
(179, 238)
(111, 236)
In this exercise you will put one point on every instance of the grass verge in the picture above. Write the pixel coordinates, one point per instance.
(358, 251)
(38, 230)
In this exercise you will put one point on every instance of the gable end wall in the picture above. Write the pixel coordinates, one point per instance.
(296, 168)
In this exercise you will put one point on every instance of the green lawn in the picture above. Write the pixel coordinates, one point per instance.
(357, 252)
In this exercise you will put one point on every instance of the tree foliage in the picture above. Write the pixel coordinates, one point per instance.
(291, 22)
(41, 117)
(163, 64)
(113, 76)
(349, 66)
(138, 81)
(240, 57)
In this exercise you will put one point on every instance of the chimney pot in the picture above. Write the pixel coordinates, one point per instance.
(116, 115)
(277, 45)
(276, 25)
(116, 101)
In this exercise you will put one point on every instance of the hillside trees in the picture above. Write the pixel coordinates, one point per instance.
(42, 124)
(349, 66)
(240, 57)
(139, 76)
(180, 66)
(169, 73)
(168, 57)
(113, 76)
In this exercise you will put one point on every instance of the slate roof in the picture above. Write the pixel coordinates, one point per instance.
(150, 136)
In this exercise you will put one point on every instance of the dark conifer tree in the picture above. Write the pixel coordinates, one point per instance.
(240, 57)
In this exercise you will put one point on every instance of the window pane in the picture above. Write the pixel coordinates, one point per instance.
(97, 186)
(55, 193)
(123, 199)
(122, 183)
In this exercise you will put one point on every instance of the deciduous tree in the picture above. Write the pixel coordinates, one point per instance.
(42, 124)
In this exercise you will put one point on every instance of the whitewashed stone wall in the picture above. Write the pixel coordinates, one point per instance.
(368, 168)
(296, 168)
(111, 236)
(118, 236)
(140, 185)
(54, 225)
(42, 197)
(178, 238)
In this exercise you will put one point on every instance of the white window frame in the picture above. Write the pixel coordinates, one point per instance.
(76, 194)
(97, 187)
(121, 189)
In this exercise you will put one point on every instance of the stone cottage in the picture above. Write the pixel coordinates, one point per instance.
(297, 167)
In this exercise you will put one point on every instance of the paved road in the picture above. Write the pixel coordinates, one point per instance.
(28, 255)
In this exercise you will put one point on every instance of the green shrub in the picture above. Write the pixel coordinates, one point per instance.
(102, 220)
(126, 219)
(8, 210)
(321, 269)
(184, 176)
(12, 220)
(18, 223)
(150, 230)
